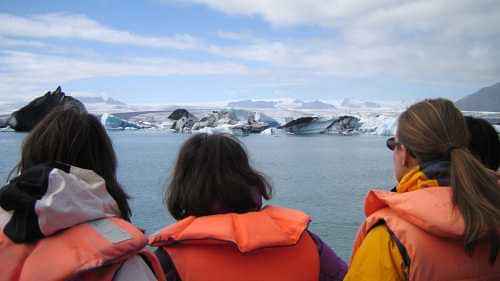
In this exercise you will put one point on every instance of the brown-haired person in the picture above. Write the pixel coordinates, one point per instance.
(65, 216)
(442, 221)
(224, 233)
(484, 142)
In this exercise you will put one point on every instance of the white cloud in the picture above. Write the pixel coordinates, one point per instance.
(29, 73)
(327, 13)
(6, 42)
(440, 41)
(74, 26)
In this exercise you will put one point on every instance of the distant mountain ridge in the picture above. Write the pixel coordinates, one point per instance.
(347, 102)
(98, 99)
(316, 105)
(252, 104)
(266, 104)
(486, 99)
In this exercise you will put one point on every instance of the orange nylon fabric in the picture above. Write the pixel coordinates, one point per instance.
(80, 251)
(430, 229)
(271, 244)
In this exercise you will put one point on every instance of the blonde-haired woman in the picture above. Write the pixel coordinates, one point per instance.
(442, 221)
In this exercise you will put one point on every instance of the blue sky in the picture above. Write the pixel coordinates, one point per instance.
(168, 51)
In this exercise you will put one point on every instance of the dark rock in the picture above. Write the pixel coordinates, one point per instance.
(179, 113)
(183, 120)
(26, 118)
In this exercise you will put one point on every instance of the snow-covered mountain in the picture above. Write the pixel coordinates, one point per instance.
(252, 104)
(283, 103)
(351, 103)
(316, 105)
(98, 99)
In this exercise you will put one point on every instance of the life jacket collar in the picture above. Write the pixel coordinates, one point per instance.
(272, 226)
(430, 209)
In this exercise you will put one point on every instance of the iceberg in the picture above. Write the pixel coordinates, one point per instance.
(271, 132)
(112, 122)
(241, 121)
(308, 125)
(344, 125)
(236, 130)
(381, 125)
(7, 129)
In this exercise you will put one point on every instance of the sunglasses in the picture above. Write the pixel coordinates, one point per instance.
(392, 143)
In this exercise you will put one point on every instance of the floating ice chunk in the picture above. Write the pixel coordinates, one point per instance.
(382, 125)
(7, 129)
(272, 132)
(308, 125)
(115, 123)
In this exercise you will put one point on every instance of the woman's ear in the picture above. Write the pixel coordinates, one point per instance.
(408, 160)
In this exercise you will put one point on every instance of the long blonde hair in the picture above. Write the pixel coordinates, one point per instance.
(435, 129)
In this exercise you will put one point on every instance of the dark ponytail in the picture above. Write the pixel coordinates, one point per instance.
(477, 196)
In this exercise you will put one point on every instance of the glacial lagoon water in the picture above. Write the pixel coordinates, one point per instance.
(326, 176)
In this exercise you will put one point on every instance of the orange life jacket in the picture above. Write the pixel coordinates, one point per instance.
(271, 244)
(88, 251)
(431, 230)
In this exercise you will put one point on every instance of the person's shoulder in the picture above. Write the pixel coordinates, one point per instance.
(332, 267)
(378, 258)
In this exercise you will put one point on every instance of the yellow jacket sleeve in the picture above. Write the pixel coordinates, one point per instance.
(378, 258)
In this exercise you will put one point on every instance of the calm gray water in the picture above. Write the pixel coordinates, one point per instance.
(326, 176)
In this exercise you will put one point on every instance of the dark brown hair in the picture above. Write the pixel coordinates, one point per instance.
(213, 175)
(484, 143)
(435, 129)
(76, 138)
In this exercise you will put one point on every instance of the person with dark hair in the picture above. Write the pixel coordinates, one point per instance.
(223, 231)
(484, 142)
(65, 216)
(442, 222)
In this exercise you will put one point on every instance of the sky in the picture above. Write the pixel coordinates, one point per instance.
(172, 51)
